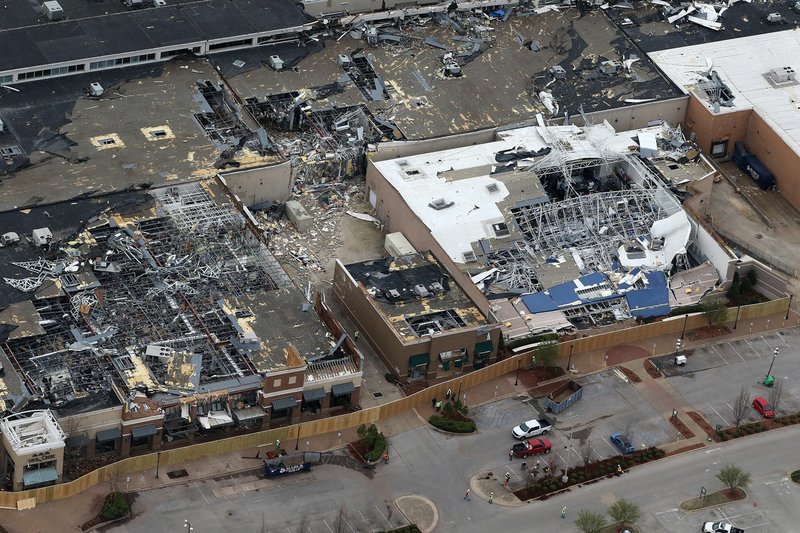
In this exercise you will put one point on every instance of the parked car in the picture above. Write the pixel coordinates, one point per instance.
(532, 447)
(532, 428)
(763, 406)
(622, 443)
(720, 527)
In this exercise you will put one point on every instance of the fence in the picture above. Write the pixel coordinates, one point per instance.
(376, 414)
(757, 252)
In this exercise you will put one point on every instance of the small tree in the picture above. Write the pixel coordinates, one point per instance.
(590, 522)
(775, 394)
(625, 512)
(741, 405)
(714, 311)
(546, 354)
(733, 477)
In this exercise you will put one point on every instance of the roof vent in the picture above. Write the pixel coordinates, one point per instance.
(440, 204)
(421, 291)
(492, 187)
(469, 256)
(781, 75)
(393, 293)
(52, 10)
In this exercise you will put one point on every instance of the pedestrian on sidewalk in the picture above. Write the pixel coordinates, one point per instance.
(448, 394)
(563, 513)
(524, 464)
(511, 454)
(508, 478)
(438, 405)
(491, 497)
(433, 403)
(466, 495)
(619, 470)
(355, 335)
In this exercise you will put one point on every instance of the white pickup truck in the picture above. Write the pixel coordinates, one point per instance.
(532, 428)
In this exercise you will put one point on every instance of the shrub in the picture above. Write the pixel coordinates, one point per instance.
(378, 448)
(453, 426)
(115, 506)
(724, 437)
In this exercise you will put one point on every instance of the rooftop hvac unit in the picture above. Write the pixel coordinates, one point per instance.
(558, 72)
(52, 10)
(343, 60)
(95, 89)
(782, 74)
(159, 3)
(134, 3)
(42, 236)
(276, 62)
(421, 291)
(393, 293)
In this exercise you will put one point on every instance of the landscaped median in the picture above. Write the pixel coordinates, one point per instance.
(758, 427)
(590, 472)
(453, 419)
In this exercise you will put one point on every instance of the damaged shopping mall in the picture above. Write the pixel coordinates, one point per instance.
(157, 317)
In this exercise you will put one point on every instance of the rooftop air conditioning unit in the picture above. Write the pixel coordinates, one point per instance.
(421, 291)
(343, 60)
(42, 237)
(393, 293)
(782, 74)
(52, 10)
(276, 62)
(95, 89)
(134, 3)
(558, 72)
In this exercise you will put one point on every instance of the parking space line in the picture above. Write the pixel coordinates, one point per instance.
(610, 446)
(783, 338)
(576, 453)
(511, 471)
(735, 351)
(720, 355)
(381, 513)
(594, 450)
(719, 415)
(201, 493)
(326, 525)
(751, 346)
(348, 524)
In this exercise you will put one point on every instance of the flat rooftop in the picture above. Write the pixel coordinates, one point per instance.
(744, 65)
(165, 291)
(96, 29)
(501, 81)
(416, 296)
(154, 125)
(647, 26)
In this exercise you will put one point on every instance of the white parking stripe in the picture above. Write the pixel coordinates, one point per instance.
(719, 415)
(716, 351)
(751, 347)
(735, 351)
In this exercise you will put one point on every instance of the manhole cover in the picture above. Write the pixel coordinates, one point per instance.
(377, 395)
(177, 473)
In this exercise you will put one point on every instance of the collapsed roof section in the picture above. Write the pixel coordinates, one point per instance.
(416, 295)
(177, 296)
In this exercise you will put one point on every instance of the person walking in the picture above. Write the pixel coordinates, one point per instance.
(563, 512)
(355, 335)
(448, 394)
(466, 495)
(433, 403)
(438, 405)
(524, 465)
(491, 497)
(511, 454)
(619, 470)
(508, 478)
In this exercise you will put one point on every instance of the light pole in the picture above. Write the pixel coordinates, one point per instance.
(736, 322)
(187, 525)
(789, 307)
(774, 355)
(297, 442)
(516, 380)
(677, 347)
(459, 389)
(685, 320)
(569, 361)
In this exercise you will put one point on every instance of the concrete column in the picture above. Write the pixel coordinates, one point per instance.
(294, 414)
(155, 440)
(125, 448)
(326, 403)
(355, 396)
(91, 448)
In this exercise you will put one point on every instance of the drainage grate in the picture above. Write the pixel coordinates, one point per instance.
(377, 395)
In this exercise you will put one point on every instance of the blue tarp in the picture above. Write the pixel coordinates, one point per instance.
(563, 295)
(651, 301)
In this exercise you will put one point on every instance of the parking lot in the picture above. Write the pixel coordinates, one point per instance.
(713, 376)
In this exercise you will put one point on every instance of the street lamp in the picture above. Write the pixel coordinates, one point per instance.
(685, 320)
(769, 372)
(516, 380)
(187, 525)
(565, 477)
(569, 361)
(677, 347)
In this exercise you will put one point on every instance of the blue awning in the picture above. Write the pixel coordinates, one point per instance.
(283, 403)
(144, 431)
(343, 389)
(108, 435)
(37, 477)
(313, 395)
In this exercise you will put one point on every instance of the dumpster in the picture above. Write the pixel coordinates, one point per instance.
(749, 163)
(564, 396)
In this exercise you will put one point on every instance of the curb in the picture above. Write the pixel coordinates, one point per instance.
(426, 500)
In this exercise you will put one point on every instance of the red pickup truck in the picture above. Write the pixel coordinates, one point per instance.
(532, 447)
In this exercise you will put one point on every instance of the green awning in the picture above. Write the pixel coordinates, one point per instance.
(421, 359)
(143, 431)
(37, 477)
(108, 435)
(483, 348)
(314, 395)
(283, 403)
(343, 389)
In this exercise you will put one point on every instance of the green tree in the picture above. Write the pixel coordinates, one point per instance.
(546, 354)
(714, 311)
(590, 522)
(733, 477)
(624, 511)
